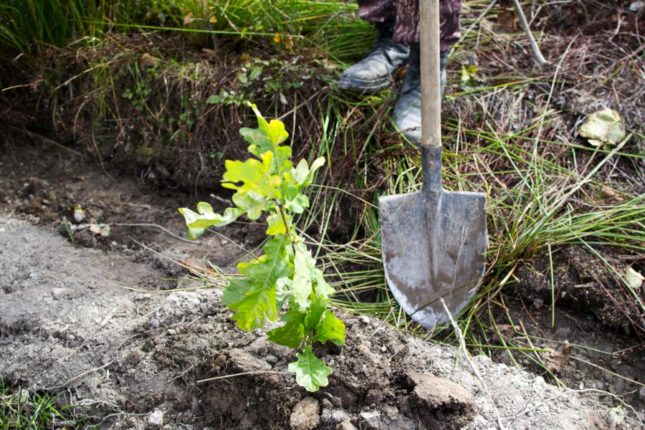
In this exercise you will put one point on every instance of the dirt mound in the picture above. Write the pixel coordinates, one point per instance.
(96, 328)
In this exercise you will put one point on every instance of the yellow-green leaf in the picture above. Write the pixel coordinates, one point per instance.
(276, 225)
(604, 127)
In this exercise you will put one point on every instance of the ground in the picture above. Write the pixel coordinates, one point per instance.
(118, 325)
(105, 304)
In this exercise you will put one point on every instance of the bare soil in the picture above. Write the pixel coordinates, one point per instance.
(117, 326)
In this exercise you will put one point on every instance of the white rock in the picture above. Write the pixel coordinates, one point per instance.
(155, 419)
(305, 415)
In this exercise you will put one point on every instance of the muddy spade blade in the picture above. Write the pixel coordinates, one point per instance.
(433, 241)
(428, 256)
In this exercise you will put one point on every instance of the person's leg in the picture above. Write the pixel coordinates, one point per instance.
(407, 110)
(374, 71)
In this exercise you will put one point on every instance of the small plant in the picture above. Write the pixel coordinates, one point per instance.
(284, 281)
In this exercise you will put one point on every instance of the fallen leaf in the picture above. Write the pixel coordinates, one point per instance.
(633, 278)
(555, 360)
(148, 60)
(507, 19)
(604, 127)
(188, 18)
(611, 193)
(100, 229)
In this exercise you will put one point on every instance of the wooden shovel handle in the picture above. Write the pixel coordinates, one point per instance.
(430, 74)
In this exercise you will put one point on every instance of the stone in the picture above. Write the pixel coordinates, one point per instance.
(346, 425)
(334, 416)
(438, 402)
(155, 419)
(305, 415)
(271, 359)
(59, 293)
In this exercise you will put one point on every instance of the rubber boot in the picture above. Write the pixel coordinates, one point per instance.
(374, 72)
(407, 110)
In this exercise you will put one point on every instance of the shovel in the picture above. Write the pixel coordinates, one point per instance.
(433, 241)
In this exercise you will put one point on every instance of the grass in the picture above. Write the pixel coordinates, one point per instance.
(24, 410)
(26, 26)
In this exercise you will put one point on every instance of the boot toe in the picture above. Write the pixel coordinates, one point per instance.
(363, 80)
(409, 128)
(407, 116)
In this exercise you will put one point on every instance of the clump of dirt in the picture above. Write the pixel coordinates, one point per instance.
(97, 329)
(582, 283)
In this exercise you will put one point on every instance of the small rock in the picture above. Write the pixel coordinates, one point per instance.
(155, 419)
(538, 303)
(271, 359)
(153, 323)
(436, 400)
(305, 415)
(346, 425)
(365, 320)
(334, 416)
(641, 394)
(637, 6)
(371, 418)
(59, 293)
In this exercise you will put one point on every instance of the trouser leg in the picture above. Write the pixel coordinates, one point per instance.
(404, 16)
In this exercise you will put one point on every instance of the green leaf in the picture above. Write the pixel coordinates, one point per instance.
(301, 172)
(260, 142)
(322, 289)
(311, 372)
(315, 313)
(252, 176)
(256, 186)
(275, 129)
(330, 329)
(302, 286)
(268, 137)
(252, 203)
(292, 333)
(298, 204)
(317, 164)
(204, 218)
(252, 302)
(253, 299)
(276, 225)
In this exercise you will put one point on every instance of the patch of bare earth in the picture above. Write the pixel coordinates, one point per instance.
(99, 329)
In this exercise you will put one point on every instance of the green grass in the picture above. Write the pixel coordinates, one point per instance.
(24, 410)
(26, 26)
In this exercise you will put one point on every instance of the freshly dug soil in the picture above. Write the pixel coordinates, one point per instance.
(99, 328)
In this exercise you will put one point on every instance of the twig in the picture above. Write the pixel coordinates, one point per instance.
(45, 140)
(253, 372)
(152, 225)
(534, 46)
(473, 366)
